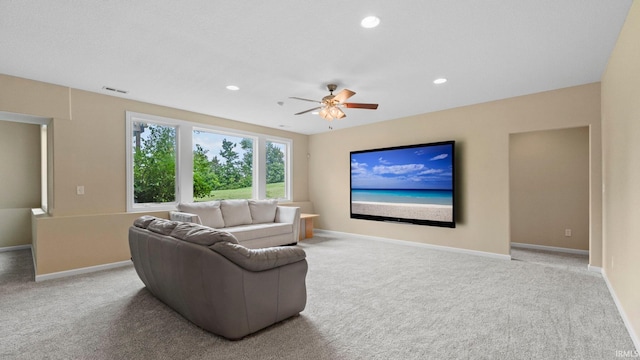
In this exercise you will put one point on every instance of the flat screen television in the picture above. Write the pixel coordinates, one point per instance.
(409, 184)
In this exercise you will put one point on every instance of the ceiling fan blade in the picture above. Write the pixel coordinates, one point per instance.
(361, 106)
(303, 99)
(343, 95)
(306, 111)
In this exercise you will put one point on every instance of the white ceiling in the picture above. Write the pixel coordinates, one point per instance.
(183, 54)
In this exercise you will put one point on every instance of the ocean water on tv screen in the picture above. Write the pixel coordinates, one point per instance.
(434, 197)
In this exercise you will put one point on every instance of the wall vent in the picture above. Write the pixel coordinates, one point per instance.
(108, 88)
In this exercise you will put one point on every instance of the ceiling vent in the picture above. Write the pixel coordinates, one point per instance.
(108, 88)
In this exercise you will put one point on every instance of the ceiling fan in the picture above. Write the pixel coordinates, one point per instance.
(331, 104)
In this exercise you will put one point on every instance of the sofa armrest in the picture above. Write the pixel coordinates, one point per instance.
(184, 217)
(258, 259)
(287, 214)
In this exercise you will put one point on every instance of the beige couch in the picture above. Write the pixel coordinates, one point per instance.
(255, 223)
(213, 281)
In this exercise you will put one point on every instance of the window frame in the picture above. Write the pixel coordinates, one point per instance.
(132, 206)
(288, 175)
(238, 134)
(184, 160)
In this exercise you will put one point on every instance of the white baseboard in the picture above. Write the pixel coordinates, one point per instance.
(85, 270)
(66, 273)
(550, 248)
(594, 268)
(623, 314)
(422, 245)
(33, 258)
(15, 248)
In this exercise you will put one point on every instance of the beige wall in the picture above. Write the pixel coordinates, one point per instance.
(481, 133)
(73, 242)
(19, 180)
(90, 151)
(549, 187)
(88, 148)
(35, 98)
(621, 174)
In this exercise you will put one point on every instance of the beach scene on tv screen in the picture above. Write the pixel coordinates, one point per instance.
(405, 183)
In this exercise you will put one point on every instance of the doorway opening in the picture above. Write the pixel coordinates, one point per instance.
(549, 194)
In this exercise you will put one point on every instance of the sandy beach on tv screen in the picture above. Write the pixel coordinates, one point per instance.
(405, 211)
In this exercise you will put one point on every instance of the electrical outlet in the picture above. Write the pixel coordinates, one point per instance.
(567, 232)
(80, 190)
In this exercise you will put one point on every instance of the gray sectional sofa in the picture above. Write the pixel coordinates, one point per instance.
(216, 283)
(255, 223)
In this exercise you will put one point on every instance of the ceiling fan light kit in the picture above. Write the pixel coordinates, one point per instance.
(330, 113)
(331, 104)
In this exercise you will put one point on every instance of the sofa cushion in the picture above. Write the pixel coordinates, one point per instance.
(208, 211)
(143, 221)
(259, 259)
(162, 226)
(256, 231)
(235, 212)
(201, 235)
(263, 211)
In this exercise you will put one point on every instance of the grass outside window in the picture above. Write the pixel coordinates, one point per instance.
(274, 191)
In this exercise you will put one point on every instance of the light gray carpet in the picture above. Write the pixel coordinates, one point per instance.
(560, 260)
(367, 299)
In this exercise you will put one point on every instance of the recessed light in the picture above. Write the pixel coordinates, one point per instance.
(232, 88)
(370, 22)
(439, 81)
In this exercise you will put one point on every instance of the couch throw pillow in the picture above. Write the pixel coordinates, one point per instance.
(208, 211)
(263, 211)
(235, 212)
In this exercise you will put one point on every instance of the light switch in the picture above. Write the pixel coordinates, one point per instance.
(80, 190)
(567, 232)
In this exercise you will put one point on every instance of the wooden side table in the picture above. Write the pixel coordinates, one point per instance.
(308, 225)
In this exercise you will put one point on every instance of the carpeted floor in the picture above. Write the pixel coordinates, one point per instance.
(367, 299)
(560, 260)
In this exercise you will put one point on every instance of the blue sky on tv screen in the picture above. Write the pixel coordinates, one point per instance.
(424, 167)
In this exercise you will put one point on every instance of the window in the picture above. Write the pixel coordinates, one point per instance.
(223, 164)
(153, 163)
(277, 170)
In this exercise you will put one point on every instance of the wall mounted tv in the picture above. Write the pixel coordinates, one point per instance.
(410, 184)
